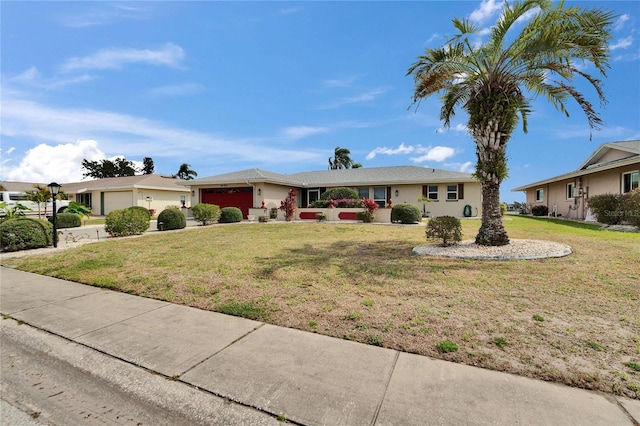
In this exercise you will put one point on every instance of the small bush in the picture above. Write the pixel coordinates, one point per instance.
(365, 216)
(66, 220)
(540, 210)
(631, 206)
(448, 229)
(142, 210)
(171, 218)
(263, 219)
(126, 222)
(339, 193)
(206, 213)
(607, 208)
(273, 213)
(503, 209)
(353, 203)
(321, 217)
(405, 213)
(25, 233)
(230, 215)
(288, 205)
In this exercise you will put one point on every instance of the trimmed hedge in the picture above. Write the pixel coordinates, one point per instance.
(540, 210)
(66, 220)
(171, 218)
(339, 193)
(126, 222)
(205, 213)
(141, 209)
(631, 206)
(230, 215)
(405, 213)
(25, 233)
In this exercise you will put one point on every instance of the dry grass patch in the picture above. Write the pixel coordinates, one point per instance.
(573, 320)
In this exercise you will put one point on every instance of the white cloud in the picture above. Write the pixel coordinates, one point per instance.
(436, 153)
(177, 90)
(460, 128)
(364, 97)
(29, 75)
(32, 78)
(98, 15)
(289, 11)
(622, 43)
(171, 55)
(299, 132)
(485, 11)
(60, 163)
(466, 167)
(621, 22)
(402, 149)
(339, 82)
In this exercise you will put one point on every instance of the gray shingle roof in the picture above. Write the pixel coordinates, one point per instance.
(346, 177)
(153, 181)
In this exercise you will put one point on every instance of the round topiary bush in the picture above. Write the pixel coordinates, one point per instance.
(126, 222)
(205, 213)
(339, 194)
(25, 233)
(66, 220)
(141, 209)
(405, 213)
(230, 215)
(171, 218)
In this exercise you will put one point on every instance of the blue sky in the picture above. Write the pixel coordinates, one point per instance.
(227, 86)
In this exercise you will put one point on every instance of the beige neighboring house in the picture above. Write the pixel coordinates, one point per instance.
(155, 192)
(448, 191)
(613, 168)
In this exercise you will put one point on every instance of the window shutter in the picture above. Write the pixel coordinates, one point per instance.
(461, 191)
(388, 194)
(425, 190)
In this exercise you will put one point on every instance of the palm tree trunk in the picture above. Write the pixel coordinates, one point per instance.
(491, 169)
(491, 232)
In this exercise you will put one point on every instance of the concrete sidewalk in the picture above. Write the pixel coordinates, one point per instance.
(308, 378)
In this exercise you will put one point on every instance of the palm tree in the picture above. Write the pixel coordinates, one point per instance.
(496, 81)
(185, 172)
(341, 159)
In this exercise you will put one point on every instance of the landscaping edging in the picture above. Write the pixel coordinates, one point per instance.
(516, 249)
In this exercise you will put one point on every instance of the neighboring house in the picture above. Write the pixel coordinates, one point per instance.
(613, 168)
(155, 192)
(448, 191)
(12, 186)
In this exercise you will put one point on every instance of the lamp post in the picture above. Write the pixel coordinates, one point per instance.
(54, 188)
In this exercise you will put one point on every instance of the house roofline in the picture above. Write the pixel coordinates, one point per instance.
(608, 166)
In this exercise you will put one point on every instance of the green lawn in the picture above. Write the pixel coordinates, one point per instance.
(574, 320)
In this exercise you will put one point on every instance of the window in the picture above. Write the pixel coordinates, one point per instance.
(571, 189)
(539, 194)
(380, 195)
(363, 193)
(312, 196)
(452, 192)
(431, 192)
(629, 181)
(84, 198)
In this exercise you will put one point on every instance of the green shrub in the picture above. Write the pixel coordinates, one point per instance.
(365, 216)
(25, 233)
(141, 209)
(230, 215)
(273, 213)
(339, 193)
(78, 209)
(321, 217)
(405, 213)
(540, 210)
(66, 220)
(447, 346)
(263, 219)
(171, 218)
(503, 209)
(126, 222)
(448, 229)
(608, 208)
(205, 213)
(631, 206)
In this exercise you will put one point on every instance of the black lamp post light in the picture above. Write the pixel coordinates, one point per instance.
(54, 189)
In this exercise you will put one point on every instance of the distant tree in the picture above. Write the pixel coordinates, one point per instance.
(185, 172)
(107, 168)
(341, 159)
(41, 194)
(148, 167)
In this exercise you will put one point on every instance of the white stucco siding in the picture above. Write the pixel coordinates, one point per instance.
(117, 200)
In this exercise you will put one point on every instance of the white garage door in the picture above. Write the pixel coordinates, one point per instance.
(117, 200)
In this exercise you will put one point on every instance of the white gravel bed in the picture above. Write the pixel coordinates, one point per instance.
(516, 249)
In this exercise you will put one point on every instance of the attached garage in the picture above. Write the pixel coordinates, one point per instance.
(240, 197)
(116, 200)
